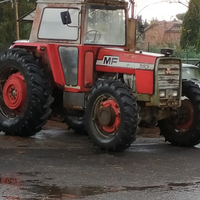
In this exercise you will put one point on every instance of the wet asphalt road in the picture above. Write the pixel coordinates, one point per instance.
(57, 164)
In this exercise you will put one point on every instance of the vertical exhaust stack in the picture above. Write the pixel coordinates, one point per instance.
(131, 30)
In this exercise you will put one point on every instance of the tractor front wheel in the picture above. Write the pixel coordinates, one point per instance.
(184, 129)
(111, 115)
(25, 94)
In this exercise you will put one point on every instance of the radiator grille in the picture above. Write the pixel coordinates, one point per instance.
(168, 74)
(168, 77)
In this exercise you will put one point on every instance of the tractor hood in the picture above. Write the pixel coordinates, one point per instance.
(150, 71)
(125, 61)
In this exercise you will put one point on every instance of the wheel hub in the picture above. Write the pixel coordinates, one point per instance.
(14, 91)
(106, 116)
(109, 116)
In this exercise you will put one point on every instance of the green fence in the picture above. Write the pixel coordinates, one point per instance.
(188, 56)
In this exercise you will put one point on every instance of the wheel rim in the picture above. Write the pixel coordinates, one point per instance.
(185, 120)
(12, 92)
(106, 116)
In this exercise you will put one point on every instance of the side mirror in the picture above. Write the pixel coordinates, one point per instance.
(66, 18)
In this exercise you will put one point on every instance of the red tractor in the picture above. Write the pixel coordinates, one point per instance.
(80, 63)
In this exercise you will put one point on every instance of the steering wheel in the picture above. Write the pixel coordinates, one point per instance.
(97, 36)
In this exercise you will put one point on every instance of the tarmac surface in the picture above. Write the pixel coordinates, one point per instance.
(57, 164)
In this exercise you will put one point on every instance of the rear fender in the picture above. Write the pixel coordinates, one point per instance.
(49, 55)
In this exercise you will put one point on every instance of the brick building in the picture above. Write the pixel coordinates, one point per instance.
(162, 33)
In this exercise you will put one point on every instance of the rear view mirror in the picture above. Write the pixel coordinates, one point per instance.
(66, 18)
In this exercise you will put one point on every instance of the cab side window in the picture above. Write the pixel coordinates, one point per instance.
(51, 26)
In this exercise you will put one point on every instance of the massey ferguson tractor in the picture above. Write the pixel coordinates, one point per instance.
(80, 63)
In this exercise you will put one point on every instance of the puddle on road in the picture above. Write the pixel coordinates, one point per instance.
(37, 190)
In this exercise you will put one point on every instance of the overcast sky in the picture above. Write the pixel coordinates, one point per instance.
(160, 9)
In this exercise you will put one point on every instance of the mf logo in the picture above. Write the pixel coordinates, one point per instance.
(110, 60)
(168, 71)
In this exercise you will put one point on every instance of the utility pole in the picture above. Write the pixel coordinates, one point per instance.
(199, 32)
(15, 3)
(16, 18)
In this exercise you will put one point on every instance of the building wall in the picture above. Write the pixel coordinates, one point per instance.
(157, 34)
(172, 37)
(153, 35)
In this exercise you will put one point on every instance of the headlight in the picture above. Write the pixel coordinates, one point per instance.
(175, 93)
(162, 93)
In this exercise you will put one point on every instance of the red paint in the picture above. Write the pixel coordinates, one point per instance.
(185, 126)
(127, 56)
(113, 104)
(10, 181)
(88, 69)
(115, 69)
(56, 66)
(14, 92)
(144, 77)
(86, 59)
(144, 81)
(50, 55)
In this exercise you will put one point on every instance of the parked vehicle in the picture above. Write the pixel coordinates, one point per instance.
(191, 72)
(80, 61)
(198, 64)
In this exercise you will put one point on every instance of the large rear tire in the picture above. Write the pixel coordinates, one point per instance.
(25, 94)
(111, 115)
(184, 129)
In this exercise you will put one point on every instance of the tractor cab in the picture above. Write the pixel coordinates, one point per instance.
(74, 32)
(81, 22)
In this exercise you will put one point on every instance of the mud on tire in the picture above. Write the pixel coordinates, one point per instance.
(25, 94)
(185, 129)
(111, 115)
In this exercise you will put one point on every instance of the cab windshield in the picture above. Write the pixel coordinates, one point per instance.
(104, 25)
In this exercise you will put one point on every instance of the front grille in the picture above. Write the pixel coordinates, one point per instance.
(169, 77)
(168, 74)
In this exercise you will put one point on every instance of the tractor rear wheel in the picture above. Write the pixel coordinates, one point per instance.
(25, 94)
(111, 115)
(184, 129)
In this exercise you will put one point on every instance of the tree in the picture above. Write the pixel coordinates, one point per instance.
(7, 22)
(191, 26)
(180, 16)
